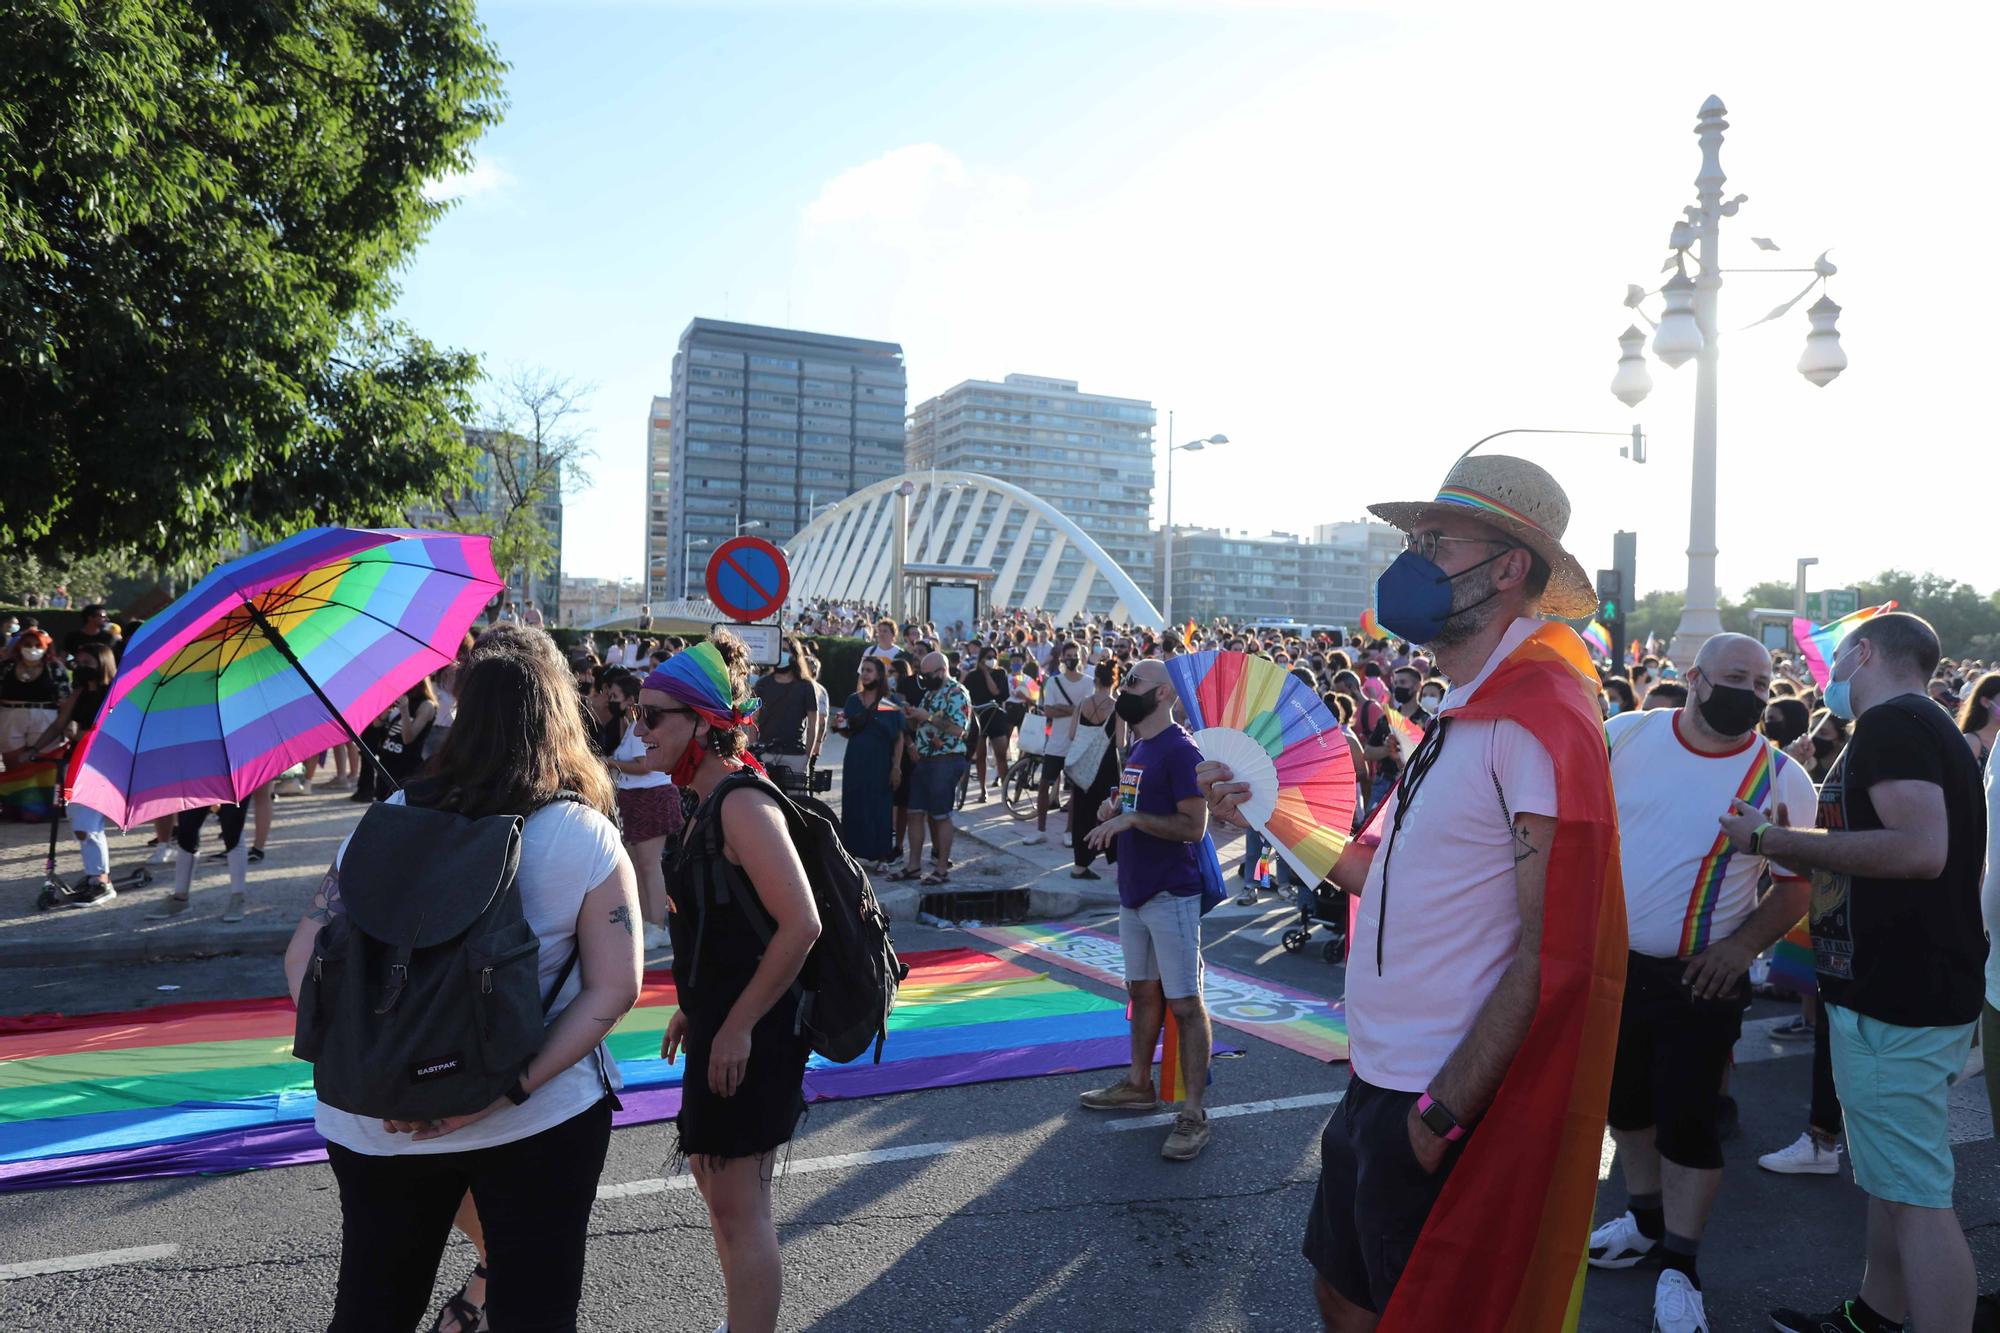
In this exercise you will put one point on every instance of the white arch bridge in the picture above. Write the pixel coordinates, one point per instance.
(962, 525)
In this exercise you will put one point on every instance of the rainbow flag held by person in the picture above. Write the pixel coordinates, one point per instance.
(1818, 643)
(1503, 1248)
(1371, 628)
(1598, 640)
(185, 1089)
(1266, 868)
(1632, 651)
(28, 793)
(1792, 962)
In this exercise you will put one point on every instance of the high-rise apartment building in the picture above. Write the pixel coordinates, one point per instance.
(1276, 576)
(769, 424)
(659, 578)
(1089, 455)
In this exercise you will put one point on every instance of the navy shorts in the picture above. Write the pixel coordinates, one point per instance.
(934, 785)
(1374, 1194)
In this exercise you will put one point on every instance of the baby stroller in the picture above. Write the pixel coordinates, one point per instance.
(1320, 905)
(55, 891)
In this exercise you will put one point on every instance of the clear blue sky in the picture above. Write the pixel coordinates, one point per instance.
(1351, 240)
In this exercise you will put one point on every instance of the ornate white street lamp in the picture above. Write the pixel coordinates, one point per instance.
(1687, 330)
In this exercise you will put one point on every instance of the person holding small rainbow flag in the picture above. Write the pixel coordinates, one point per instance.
(1487, 961)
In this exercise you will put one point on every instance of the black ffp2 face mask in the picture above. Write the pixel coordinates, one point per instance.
(1731, 710)
(1135, 707)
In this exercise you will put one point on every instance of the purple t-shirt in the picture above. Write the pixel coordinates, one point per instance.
(1158, 775)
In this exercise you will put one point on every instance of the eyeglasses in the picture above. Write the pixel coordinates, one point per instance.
(650, 714)
(1425, 544)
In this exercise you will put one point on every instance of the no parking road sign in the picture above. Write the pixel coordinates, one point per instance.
(748, 578)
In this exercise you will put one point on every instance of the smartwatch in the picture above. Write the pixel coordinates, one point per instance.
(518, 1093)
(1757, 837)
(1438, 1120)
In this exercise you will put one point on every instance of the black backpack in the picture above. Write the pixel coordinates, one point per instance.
(422, 999)
(847, 987)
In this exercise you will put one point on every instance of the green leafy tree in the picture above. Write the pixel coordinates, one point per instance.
(202, 203)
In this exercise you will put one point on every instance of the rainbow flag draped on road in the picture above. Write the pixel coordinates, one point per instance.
(1818, 643)
(186, 1089)
(1598, 640)
(28, 793)
(1503, 1249)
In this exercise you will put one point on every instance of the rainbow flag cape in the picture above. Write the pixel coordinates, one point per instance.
(184, 1089)
(1371, 628)
(1598, 640)
(1503, 1248)
(28, 793)
(1818, 643)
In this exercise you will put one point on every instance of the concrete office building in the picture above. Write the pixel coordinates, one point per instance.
(767, 425)
(659, 566)
(1088, 455)
(1278, 576)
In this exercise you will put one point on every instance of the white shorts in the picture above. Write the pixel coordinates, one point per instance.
(1162, 942)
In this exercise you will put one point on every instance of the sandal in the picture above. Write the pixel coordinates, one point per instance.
(937, 877)
(463, 1310)
(904, 875)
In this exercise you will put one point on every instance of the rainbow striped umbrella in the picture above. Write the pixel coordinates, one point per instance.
(274, 657)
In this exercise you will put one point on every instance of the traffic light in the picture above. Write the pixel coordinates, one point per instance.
(1610, 597)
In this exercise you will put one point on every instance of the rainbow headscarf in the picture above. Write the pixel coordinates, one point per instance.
(699, 678)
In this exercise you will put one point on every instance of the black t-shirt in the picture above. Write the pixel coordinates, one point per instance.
(76, 639)
(1911, 952)
(986, 686)
(781, 719)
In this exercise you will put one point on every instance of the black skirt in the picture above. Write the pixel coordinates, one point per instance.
(766, 1109)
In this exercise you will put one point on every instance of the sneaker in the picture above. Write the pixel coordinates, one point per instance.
(169, 908)
(1034, 839)
(1796, 1030)
(1797, 1321)
(1084, 872)
(1803, 1158)
(1120, 1096)
(256, 855)
(1248, 898)
(162, 853)
(1677, 1306)
(655, 937)
(1188, 1138)
(1618, 1243)
(233, 912)
(90, 893)
(1067, 842)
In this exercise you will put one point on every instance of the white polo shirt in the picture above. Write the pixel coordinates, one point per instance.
(1453, 918)
(1686, 887)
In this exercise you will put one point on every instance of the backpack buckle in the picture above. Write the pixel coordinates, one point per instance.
(399, 977)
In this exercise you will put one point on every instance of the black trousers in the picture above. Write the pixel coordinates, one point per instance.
(1825, 1112)
(534, 1198)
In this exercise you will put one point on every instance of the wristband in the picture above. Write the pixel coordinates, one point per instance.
(1438, 1119)
(1757, 837)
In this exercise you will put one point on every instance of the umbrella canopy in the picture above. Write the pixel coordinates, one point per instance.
(207, 708)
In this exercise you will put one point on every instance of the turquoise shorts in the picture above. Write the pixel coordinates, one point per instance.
(1893, 1083)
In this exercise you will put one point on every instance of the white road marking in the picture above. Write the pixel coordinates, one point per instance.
(799, 1166)
(1240, 1108)
(77, 1263)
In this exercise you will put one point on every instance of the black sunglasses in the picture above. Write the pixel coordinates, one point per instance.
(650, 714)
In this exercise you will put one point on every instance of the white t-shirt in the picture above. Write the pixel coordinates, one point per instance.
(1454, 918)
(1058, 691)
(1989, 894)
(1685, 886)
(566, 851)
(630, 748)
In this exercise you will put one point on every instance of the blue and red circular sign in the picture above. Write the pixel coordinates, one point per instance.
(748, 578)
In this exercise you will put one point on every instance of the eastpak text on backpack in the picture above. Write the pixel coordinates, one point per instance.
(423, 996)
(847, 988)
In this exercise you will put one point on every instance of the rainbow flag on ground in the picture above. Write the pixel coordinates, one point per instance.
(1818, 643)
(184, 1089)
(28, 793)
(1598, 640)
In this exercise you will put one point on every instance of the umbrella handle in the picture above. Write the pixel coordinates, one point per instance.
(285, 650)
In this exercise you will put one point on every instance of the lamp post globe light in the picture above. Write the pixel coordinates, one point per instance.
(1686, 331)
(1167, 575)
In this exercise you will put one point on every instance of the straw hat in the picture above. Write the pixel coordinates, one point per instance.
(1521, 500)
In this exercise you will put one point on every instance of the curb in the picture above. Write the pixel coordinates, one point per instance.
(157, 949)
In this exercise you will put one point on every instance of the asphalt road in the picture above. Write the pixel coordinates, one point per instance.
(1006, 1208)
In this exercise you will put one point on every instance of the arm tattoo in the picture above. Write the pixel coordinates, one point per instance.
(326, 902)
(621, 915)
(1524, 846)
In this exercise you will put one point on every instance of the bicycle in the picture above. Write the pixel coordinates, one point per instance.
(1018, 788)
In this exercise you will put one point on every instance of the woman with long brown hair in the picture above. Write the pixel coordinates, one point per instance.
(531, 1159)
(741, 1095)
(1979, 716)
